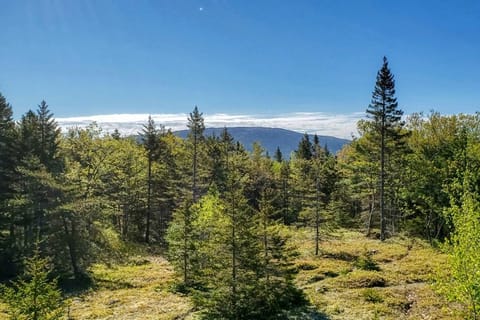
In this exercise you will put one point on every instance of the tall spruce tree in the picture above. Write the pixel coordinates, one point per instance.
(7, 155)
(151, 144)
(48, 138)
(387, 124)
(7, 175)
(196, 127)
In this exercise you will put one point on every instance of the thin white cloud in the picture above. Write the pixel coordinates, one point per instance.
(337, 125)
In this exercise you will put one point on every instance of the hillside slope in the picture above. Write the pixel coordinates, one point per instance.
(271, 138)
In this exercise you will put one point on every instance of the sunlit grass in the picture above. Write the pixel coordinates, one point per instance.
(139, 290)
(394, 284)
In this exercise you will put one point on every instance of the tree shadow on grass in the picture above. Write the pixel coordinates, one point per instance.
(306, 313)
(72, 286)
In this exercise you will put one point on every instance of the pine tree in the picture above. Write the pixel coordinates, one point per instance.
(386, 118)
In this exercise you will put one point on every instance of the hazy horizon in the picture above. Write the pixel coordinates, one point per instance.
(336, 125)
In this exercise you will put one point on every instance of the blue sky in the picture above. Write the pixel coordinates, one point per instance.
(90, 57)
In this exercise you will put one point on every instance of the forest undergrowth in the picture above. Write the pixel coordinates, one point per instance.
(353, 277)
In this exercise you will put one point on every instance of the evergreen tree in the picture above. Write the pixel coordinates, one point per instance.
(151, 144)
(36, 297)
(215, 163)
(195, 135)
(387, 125)
(285, 190)
(305, 148)
(48, 138)
(28, 132)
(8, 158)
(278, 155)
(7, 150)
(116, 134)
(182, 243)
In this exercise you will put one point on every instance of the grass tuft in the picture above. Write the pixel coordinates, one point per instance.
(372, 295)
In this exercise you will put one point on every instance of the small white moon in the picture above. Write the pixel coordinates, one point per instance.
(200, 9)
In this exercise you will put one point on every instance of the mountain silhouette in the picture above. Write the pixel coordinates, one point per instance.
(271, 138)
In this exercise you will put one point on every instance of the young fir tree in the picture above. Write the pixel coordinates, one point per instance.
(275, 282)
(36, 297)
(386, 118)
(182, 244)
(235, 255)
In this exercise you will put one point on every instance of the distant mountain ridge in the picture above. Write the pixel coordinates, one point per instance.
(271, 138)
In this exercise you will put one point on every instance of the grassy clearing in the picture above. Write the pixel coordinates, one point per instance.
(137, 290)
(354, 277)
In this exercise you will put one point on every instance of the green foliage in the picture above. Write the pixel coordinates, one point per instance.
(235, 260)
(8, 158)
(36, 297)
(196, 128)
(305, 148)
(460, 281)
(182, 243)
(88, 195)
(372, 295)
(366, 262)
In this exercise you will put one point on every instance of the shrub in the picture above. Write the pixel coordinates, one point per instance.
(365, 262)
(372, 295)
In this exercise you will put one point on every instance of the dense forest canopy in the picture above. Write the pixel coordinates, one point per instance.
(80, 196)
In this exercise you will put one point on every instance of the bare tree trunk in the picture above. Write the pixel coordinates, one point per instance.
(149, 201)
(317, 217)
(185, 250)
(265, 240)
(71, 246)
(370, 215)
(382, 179)
(194, 187)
